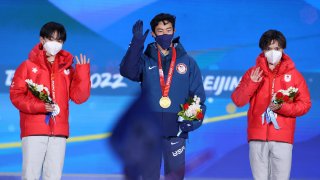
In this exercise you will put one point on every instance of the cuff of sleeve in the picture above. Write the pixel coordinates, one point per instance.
(82, 71)
(40, 107)
(136, 44)
(252, 86)
(196, 124)
(282, 109)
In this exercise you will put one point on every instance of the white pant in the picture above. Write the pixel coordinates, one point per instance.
(270, 160)
(43, 153)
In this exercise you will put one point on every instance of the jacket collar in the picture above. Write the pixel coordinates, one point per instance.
(62, 60)
(285, 65)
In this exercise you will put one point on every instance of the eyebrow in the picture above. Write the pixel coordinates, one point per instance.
(164, 28)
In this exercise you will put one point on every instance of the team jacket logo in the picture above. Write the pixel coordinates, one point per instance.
(151, 67)
(179, 151)
(34, 70)
(181, 68)
(66, 71)
(287, 77)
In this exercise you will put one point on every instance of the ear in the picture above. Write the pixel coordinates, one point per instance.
(153, 34)
(42, 41)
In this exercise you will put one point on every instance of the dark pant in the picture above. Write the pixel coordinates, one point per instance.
(173, 153)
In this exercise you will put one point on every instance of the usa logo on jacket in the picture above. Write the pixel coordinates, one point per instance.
(181, 68)
(287, 77)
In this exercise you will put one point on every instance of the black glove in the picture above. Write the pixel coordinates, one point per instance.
(137, 31)
(186, 126)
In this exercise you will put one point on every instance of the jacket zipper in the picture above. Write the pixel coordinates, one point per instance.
(272, 91)
(52, 86)
(51, 77)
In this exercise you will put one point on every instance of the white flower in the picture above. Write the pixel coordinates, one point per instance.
(192, 110)
(195, 98)
(29, 81)
(188, 113)
(198, 100)
(39, 88)
(284, 92)
(292, 89)
(289, 91)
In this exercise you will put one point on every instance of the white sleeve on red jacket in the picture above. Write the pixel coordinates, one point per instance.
(19, 90)
(302, 102)
(245, 90)
(80, 84)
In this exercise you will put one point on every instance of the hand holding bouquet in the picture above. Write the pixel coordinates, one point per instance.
(42, 93)
(190, 111)
(282, 96)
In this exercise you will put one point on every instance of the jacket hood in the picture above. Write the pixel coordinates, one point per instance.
(285, 65)
(152, 50)
(38, 56)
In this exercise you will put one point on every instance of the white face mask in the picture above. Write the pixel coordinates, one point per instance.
(273, 56)
(52, 47)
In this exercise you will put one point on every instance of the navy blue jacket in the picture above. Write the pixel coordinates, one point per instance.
(144, 68)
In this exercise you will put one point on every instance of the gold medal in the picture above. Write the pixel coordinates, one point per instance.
(165, 102)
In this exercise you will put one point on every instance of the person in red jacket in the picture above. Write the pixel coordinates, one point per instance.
(44, 136)
(271, 125)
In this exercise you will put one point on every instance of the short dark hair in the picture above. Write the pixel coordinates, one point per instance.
(49, 28)
(162, 17)
(270, 35)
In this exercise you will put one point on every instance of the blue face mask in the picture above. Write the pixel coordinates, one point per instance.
(164, 40)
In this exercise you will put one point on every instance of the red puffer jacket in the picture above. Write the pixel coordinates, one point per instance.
(61, 79)
(259, 95)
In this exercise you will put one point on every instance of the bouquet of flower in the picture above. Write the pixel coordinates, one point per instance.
(284, 96)
(191, 110)
(43, 94)
(39, 91)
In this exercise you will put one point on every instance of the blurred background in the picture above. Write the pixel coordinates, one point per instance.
(222, 35)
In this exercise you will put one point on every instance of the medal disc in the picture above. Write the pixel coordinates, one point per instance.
(165, 102)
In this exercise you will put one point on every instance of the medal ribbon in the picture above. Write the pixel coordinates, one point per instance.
(165, 86)
(53, 90)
